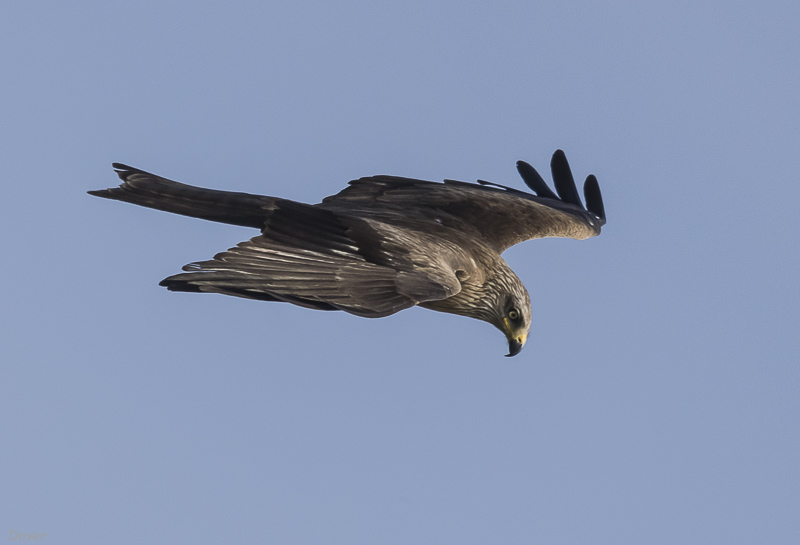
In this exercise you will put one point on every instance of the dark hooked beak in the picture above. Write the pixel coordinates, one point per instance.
(514, 348)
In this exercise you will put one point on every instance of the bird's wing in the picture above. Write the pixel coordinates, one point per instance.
(501, 215)
(314, 258)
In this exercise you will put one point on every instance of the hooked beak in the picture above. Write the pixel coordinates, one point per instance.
(514, 348)
(515, 345)
(516, 339)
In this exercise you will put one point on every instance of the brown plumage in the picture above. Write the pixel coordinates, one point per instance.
(382, 244)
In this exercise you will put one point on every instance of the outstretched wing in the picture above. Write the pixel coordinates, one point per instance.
(501, 215)
(314, 258)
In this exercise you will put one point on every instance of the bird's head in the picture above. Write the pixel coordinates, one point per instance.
(513, 318)
(504, 302)
(501, 300)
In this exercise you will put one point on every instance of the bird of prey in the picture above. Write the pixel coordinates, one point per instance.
(382, 244)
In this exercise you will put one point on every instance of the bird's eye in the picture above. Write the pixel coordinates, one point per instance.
(513, 314)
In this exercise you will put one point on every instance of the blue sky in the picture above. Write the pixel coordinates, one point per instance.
(656, 400)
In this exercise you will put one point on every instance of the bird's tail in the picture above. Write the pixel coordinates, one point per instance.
(145, 189)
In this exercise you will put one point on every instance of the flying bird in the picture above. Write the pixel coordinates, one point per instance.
(382, 244)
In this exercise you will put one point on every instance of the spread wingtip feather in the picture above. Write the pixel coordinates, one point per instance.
(594, 198)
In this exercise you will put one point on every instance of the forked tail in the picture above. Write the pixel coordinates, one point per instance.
(145, 189)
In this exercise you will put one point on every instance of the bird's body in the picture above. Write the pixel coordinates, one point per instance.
(382, 244)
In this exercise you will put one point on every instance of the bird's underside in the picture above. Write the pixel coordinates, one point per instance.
(382, 244)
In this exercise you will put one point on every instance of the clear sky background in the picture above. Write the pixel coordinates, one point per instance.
(657, 400)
